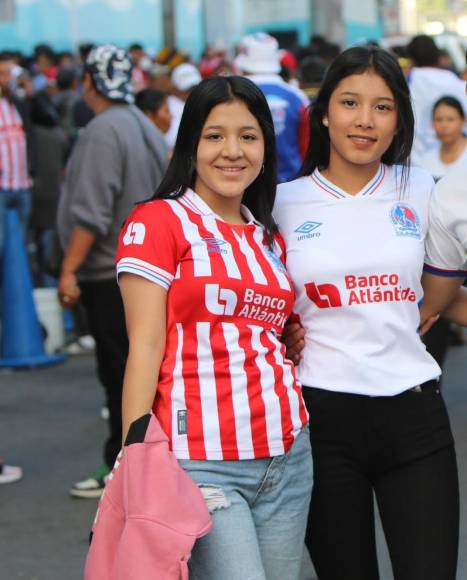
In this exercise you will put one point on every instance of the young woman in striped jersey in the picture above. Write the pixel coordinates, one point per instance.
(206, 296)
(355, 224)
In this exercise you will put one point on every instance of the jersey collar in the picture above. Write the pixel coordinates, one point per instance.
(194, 202)
(337, 193)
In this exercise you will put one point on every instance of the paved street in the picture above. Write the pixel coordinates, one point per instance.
(50, 425)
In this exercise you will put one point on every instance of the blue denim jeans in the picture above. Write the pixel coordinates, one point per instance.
(259, 509)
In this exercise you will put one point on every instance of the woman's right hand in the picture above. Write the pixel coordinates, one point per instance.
(294, 339)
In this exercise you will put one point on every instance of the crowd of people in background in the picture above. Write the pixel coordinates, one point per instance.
(84, 137)
(45, 108)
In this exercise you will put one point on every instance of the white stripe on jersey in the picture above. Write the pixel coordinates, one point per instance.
(180, 442)
(201, 261)
(269, 396)
(146, 270)
(280, 276)
(240, 400)
(208, 391)
(247, 251)
(228, 258)
(294, 401)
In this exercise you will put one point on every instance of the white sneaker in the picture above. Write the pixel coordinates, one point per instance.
(10, 473)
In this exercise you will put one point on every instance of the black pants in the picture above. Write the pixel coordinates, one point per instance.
(106, 319)
(401, 450)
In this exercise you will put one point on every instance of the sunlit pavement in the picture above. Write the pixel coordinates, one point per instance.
(50, 425)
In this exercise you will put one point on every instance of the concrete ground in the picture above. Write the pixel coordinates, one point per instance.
(50, 425)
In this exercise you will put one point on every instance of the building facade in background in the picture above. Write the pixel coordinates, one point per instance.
(190, 24)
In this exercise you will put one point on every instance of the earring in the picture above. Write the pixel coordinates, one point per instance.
(325, 122)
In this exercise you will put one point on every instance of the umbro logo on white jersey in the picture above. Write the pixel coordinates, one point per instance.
(135, 234)
(220, 300)
(307, 229)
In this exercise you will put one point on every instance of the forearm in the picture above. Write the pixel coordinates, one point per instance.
(457, 310)
(140, 383)
(439, 291)
(81, 241)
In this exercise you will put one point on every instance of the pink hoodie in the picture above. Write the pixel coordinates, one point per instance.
(150, 514)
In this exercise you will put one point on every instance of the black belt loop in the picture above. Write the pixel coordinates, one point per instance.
(429, 387)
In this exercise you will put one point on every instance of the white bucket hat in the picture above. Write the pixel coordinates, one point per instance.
(185, 76)
(259, 53)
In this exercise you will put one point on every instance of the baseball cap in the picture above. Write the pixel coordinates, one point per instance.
(185, 76)
(259, 53)
(111, 68)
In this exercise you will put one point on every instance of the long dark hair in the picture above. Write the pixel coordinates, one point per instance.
(181, 173)
(358, 60)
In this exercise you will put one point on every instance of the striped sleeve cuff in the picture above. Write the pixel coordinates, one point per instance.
(146, 270)
(444, 272)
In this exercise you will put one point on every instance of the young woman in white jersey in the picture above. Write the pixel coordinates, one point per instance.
(206, 296)
(449, 125)
(354, 226)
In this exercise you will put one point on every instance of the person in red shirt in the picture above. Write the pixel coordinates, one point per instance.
(206, 295)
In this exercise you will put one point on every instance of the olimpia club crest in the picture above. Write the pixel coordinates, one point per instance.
(406, 221)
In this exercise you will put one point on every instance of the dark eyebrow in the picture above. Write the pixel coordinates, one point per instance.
(245, 128)
(358, 94)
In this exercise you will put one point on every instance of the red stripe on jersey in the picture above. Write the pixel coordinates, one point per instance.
(240, 258)
(196, 443)
(225, 408)
(218, 268)
(162, 407)
(261, 259)
(255, 398)
(281, 391)
(187, 265)
(298, 389)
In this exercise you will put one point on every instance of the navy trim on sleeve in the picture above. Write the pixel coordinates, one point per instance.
(441, 272)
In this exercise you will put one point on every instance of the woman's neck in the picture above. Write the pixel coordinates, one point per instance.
(352, 179)
(450, 152)
(227, 208)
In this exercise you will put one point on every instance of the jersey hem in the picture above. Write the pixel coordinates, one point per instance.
(238, 454)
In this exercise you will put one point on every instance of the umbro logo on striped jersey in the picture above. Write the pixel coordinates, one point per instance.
(215, 245)
(135, 234)
(307, 229)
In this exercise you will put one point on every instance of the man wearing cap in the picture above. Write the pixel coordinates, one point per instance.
(259, 59)
(184, 79)
(118, 160)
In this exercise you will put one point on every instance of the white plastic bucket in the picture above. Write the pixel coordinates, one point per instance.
(50, 314)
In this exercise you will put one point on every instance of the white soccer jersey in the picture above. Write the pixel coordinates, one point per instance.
(446, 245)
(225, 390)
(356, 263)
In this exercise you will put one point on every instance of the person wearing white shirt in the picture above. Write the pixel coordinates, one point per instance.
(427, 84)
(449, 126)
(355, 224)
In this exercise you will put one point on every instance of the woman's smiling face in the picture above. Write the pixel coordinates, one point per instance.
(230, 152)
(362, 120)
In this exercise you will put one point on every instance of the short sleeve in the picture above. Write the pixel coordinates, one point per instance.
(446, 254)
(148, 245)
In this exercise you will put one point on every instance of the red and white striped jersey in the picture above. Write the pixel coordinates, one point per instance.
(225, 389)
(13, 157)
